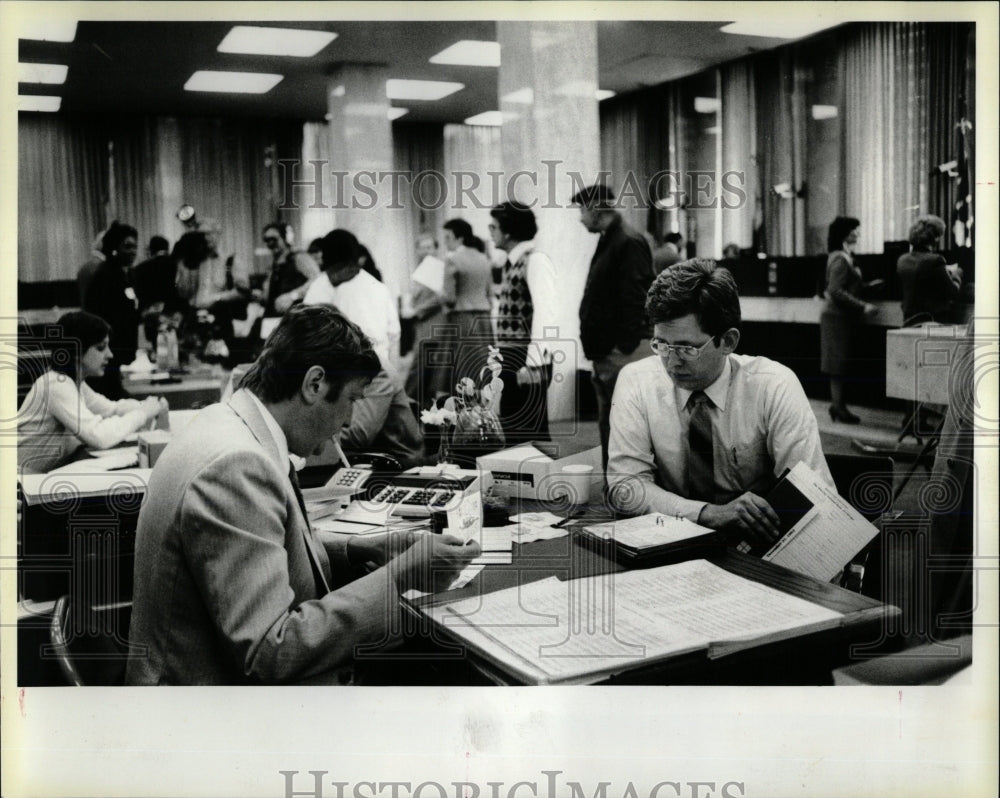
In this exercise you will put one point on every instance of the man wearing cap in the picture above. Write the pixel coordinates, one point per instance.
(613, 326)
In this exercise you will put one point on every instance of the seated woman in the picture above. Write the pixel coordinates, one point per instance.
(61, 413)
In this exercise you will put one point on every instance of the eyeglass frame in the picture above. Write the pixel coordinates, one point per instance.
(693, 352)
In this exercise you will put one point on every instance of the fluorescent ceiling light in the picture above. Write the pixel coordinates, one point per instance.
(232, 82)
(490, 118)
(38, 102)
(706, 105)
(469, 53)
(41, 73)
(525, 96)
(48, 31)
(604, 94)
(395, 113)
(713, 130)
(396, 89)
(824, 112)
(772, 28)
(338, 91)
(252, 40)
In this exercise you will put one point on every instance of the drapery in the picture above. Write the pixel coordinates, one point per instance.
(473, 149)
(62, 188)
(740, 217)
(419, 148)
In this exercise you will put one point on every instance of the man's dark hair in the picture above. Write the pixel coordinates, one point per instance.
(840, 228)
(340, 248)
(673, 238)
(158, 244)
(191, 249)
(115, 235)
(516, 220)
(462, 230)
(596, 196)
(79, 331)
(314, 335)
(281, 228)
(695, 286)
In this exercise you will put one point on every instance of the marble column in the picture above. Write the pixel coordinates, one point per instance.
(360, 136)
(551, 149)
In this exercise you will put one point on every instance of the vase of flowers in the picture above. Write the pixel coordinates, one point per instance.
(470, 419)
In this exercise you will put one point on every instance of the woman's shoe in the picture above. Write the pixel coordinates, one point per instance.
(844, 415)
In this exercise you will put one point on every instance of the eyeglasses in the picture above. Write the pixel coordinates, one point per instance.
(270, 240)
(683, 351)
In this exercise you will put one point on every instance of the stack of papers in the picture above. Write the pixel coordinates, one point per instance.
(529, 527)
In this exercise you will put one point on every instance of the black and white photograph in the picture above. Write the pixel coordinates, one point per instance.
(543, 399)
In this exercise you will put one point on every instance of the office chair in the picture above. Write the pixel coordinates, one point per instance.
(867, 484)
(90, 644)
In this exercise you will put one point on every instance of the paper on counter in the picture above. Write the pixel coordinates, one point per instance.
(465, 576)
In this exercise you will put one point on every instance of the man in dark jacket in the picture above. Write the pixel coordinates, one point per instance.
(613, 326)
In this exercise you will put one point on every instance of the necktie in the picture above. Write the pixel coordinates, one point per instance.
(701, 469)
(321, 583)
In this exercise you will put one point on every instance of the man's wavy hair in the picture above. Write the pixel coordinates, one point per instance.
(695, 286)
(314, 335)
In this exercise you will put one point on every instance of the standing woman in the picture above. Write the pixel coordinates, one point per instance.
(61, 413)
(843, 312)
(467, 286)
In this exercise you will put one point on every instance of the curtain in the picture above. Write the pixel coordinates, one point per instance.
(62, 181)
(475, 149)
(135, 187)
(314, 222)
(419, 148)
(739, 155)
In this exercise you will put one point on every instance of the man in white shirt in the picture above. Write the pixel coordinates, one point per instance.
(356, 294)
(527, 305)
(698, 431)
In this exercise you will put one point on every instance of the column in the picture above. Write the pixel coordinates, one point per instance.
(360, 136)
(547, 85)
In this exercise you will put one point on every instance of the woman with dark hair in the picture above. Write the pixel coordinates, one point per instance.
(291, 271)
(61, 412)
(112, 297)
(467, 292)
(930, 287)
(843, 311)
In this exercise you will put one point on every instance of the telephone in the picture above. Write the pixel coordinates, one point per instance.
(345, 482)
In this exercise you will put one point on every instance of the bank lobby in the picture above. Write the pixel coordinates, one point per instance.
(740, 147)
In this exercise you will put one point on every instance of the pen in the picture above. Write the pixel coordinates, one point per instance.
(340, 453)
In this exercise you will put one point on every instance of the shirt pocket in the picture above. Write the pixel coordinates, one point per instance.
(748, 464)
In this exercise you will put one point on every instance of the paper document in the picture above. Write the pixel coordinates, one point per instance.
(585, 629)
(465, 576)
(430, 273)
(827, 537)
(648, 531)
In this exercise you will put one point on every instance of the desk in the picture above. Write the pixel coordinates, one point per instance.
(918, 362)
(807, 659)
(191, 391)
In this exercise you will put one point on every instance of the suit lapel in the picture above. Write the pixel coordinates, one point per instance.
(245, 407)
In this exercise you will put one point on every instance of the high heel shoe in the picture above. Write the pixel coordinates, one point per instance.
(844, 415)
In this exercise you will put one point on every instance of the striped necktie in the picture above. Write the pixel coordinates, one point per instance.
(701, 459)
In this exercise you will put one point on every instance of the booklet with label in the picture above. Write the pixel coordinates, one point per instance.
(647, 539)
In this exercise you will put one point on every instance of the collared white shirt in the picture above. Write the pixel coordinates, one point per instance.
(761, 424)
(540, 274)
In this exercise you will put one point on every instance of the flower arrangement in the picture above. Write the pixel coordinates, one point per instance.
(469, 420)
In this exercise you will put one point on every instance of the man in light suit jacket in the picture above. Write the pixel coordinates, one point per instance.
(232, 587)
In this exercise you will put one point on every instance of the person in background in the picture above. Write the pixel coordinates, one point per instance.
(112, 297)
(86, 272)
(232, 586)
(527, 305)
(698, 431)
(467, 293)
(355, 293)
(61, 413)
(291, 271)
(155, 279)
(316, 251)
(843, 312)
(731, 252)
(428, 376)
(671, 251)
(930, 286)
(368, 263)
(613, 326)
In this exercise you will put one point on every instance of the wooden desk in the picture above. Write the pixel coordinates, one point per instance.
(190, 391)
(807, 659)
(918, 362)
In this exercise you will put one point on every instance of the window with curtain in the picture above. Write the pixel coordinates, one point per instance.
(419, 148)
(475, 149)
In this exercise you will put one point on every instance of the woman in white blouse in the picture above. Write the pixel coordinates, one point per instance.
(61, 413)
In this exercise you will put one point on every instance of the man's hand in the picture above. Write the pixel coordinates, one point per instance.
(381, 548)
(285, 301)
(528, 375)
(431, 563)
(748, 514)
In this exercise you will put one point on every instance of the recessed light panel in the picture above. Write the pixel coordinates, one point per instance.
(824, 112)
(41, 73)
(420, 89)
(775, 28)
(395, 113)
(38, 102)
(232, 82)
(44, 30)
(489, 118)
(706, 105)
(604, 94)
(469, 53)
(252, 40)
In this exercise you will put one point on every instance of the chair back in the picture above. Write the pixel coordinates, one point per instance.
(866, 481)
(89, 643)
